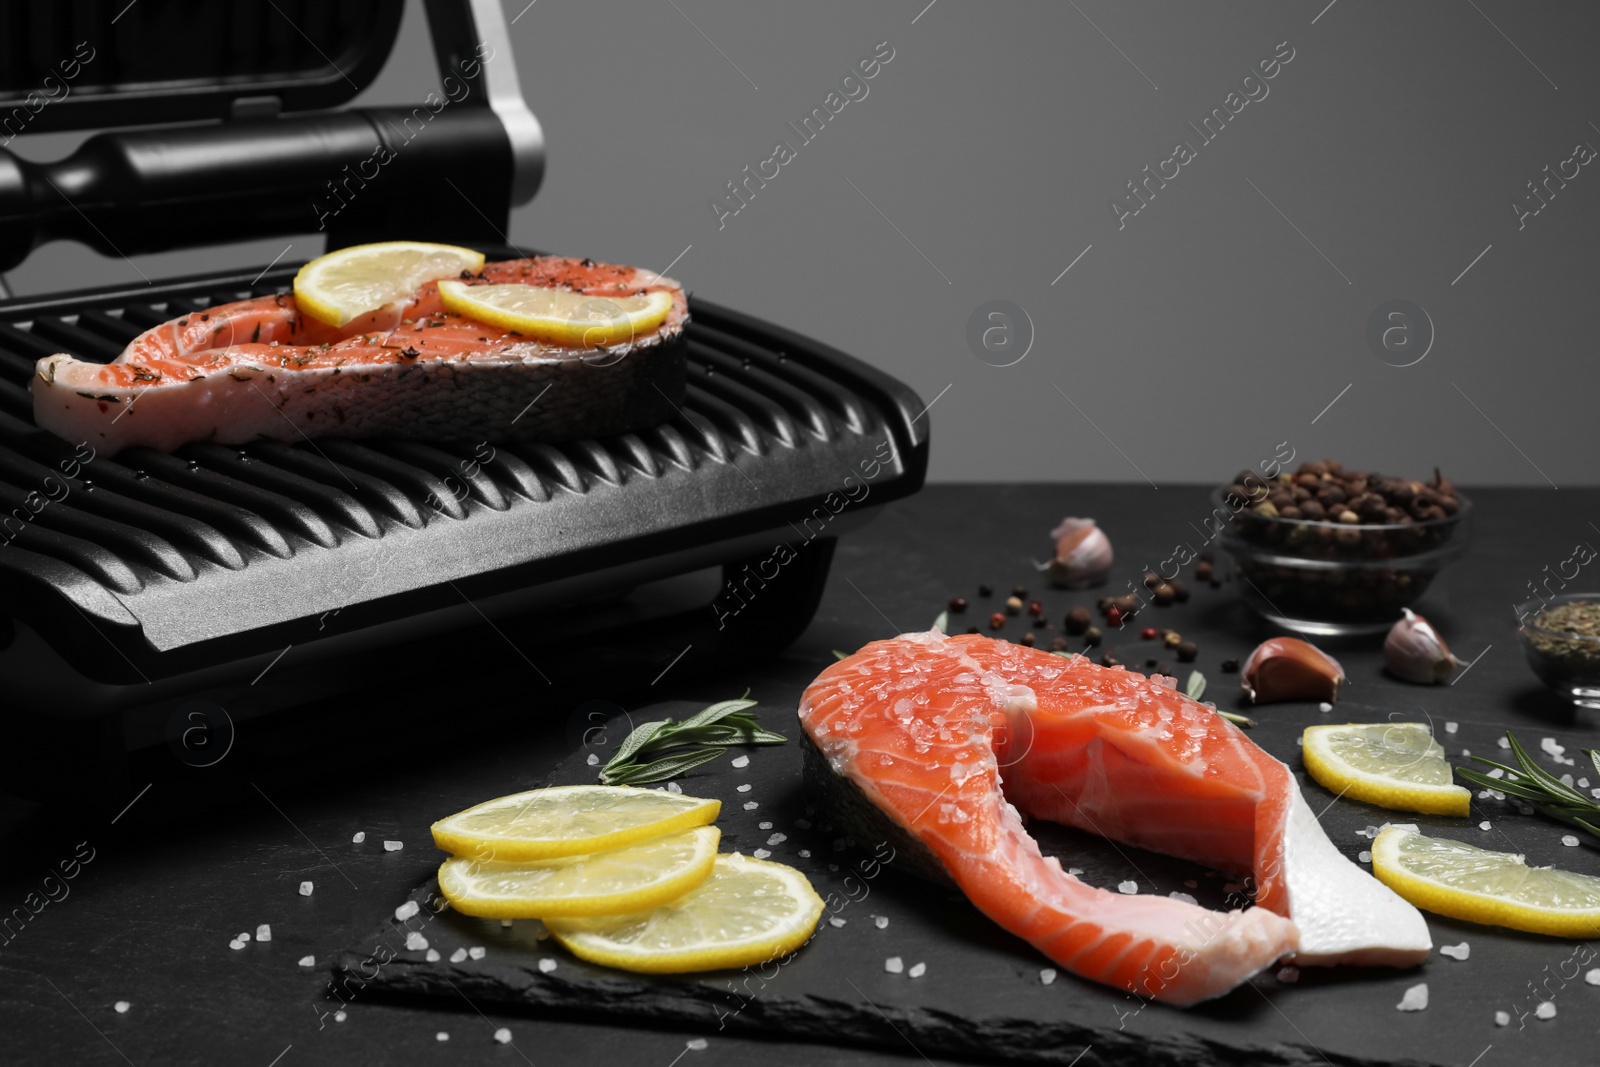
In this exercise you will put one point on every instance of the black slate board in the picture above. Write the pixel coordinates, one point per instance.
(982, 997)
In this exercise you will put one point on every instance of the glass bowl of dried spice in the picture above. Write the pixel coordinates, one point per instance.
(1324, 550)
(1561, 638)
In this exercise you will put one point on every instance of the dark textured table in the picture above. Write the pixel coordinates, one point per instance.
(203, 855)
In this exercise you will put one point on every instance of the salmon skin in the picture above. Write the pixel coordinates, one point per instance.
(261, 368)
(950, 741)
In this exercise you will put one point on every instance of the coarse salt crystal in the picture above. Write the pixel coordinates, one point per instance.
(477, 952)
(1365, 856)
(1130, 887)
(1047, 976)
(1288, 975)
(393, 846)
(1503, 743)
(308, 961)
(242, 936)
(1484, 825)
(763, 826)
(236, 944)
(699, 1044)
(805, 853)
(674, 787)
(751, 805)
(1324, 707)
(1502, 1018)
(1456, 952)
(777, 839)
(416, 942)
(1076, 872)
(881, 921)
(894, 965)
(441, 1036)
(1450, 727)
(1593, 977)
(546, 965)
(305, 889)
(264, 932)
(593, 760)
(1185, 897)
(503, 1036)
(1466, 752)
(918, 970)
(407, 910)
(1416, 998)
(432, 956)
(360, 836)
(1570, 840)
(1545, 1010)
(1497, 773)
(740, 761)
(835, 921)
(340, 1016)
(744, 788)
(761, 853)
(458, 955)
(505, 924)
(122, 1006)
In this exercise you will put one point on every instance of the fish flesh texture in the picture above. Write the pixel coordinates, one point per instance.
(261, 368)
(945, 744)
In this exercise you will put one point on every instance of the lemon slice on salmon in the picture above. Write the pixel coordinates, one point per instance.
(1393, 765)
(354, 281)
(624, 879)
(1496, 888)
(568, 820)
(748, 912)
(559, 316)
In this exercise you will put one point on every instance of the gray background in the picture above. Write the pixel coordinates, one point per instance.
(1221, 321)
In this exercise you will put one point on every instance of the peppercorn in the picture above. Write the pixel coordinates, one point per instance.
(1128, 604)
(1078, 620)
(996, 621)
(1020, 592)
(986, 589)
(1149, 663)
(1162, 595)
(972, 629)
(1114, 616)
(1013, 605)
(1102, 604)
(1028, 639)
(1036, 609)
(1180, 592)
(1148, 634)
(1108, 660)
(1151, 579)
(1187, 651)
(1091, 636)
(1171, 639)
(1058, 644)
(958, 604)
(1230, 666)
(1202, 570)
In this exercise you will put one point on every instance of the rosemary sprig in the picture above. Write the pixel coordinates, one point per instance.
(662, 750)
(1532, 783)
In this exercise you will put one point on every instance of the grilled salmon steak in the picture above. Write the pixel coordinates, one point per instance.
(944, 744)
(262, 368)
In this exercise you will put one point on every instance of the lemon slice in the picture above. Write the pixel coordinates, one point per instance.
(1496, 888)
(1393, 765)
(559, 316)
(602, 883)
(569, 820)
(351, 282)
(748, 912)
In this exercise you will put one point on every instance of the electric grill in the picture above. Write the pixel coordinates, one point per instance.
(257, 578)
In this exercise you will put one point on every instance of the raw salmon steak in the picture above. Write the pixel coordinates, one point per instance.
(260, 368)
(944, 744)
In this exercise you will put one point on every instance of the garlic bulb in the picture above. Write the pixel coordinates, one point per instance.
(1083, 554)
(1287, 668)
(1415, 652)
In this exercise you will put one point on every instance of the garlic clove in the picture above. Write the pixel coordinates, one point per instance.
(1083, 554)
(1287, 668)
(1414, 652)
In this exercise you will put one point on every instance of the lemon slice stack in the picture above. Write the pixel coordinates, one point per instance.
(624, 877)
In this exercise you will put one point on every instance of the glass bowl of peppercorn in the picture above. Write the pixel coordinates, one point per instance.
(1329, 551)
(1561, 638)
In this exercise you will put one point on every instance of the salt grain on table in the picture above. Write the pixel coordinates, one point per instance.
(432, 956)
(407, 910)
(881, 921)
(1130, 887)
(1569, 840)
(242, 937)
(744, 788)
(836, 922)
(1364, 856)
(236, 944)
(1545, 1010)
(751, 805)
(1484, 825)
(699, 1044)
(360, 836)
(339, 1016)
(918, 970)
(1456, 952)
(503, 1036)
(1450, 727)
(1076, 872)
(1324, 707)
(546, 965)
(894, 965)
(805, 853)
(264, 932)
(393, 846)
(674, 787)
(305, 889)
(441, 1036)
(1503, 743)
(1288, 975)
(1502, 1018)
(777, 839)
(308, 961)
(740, 761)
(1047, 976)
(416, 942)
(477, 952)
(593, 760)
(122, 1007)
(763, 826)
(1185, 897)
(1416, 998)
(761, 853)
(458, 955)
(1593, 977)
